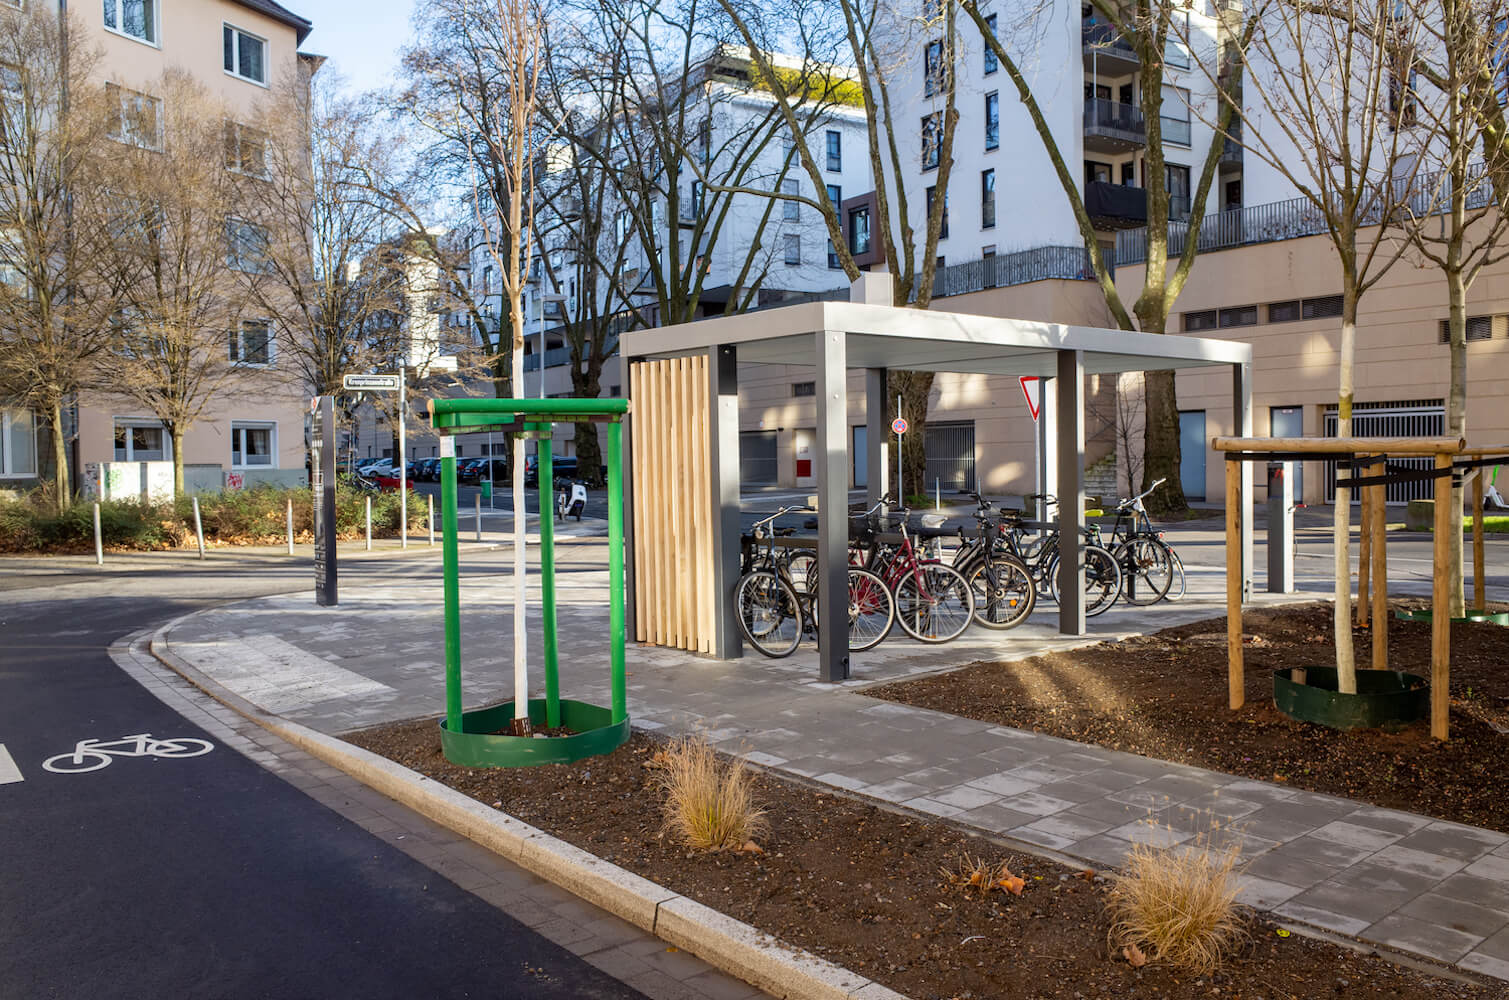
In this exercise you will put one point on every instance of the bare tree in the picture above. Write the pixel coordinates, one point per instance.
(1330, 111)
(189, 251)
(851, 36)
(56, 294)
(1459, 213)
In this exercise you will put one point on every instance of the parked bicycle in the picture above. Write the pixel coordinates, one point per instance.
(1040, 553)
(1000, 581)
(774, 613)
(1147, 562)
(934, 602)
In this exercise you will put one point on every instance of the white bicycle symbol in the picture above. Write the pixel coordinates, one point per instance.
(91, 755)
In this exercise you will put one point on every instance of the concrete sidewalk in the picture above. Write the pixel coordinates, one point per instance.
(1435, 889)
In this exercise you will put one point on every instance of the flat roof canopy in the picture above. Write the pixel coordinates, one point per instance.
(928, 340)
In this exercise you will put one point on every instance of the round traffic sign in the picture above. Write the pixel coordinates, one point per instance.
(899, 425)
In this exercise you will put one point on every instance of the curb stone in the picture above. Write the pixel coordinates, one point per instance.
(718, 939)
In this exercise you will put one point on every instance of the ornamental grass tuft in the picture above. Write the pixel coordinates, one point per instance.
(709, 803)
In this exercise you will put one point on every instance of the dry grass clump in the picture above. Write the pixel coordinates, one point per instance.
(709, 804)
(977, 873)
(1178, 905)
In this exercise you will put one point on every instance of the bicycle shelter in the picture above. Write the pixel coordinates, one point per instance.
(471, 738)
(683, 467)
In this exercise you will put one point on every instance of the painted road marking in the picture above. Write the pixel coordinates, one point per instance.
(91, 755)
(9, 772)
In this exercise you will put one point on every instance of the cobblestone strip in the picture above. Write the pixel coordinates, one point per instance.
(615, 946)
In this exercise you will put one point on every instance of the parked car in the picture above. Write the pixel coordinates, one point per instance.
(561, 467)
(387, 479)
(363, 464)
(469, 470)
(430, 470)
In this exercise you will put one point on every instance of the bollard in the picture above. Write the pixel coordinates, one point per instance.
(290, 527)
(479, 517)
(1281, 527)
(369, 524)
(99, 543)
(432, 520)
(198, 528)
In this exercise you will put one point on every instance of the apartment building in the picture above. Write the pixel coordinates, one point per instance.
(240, 52)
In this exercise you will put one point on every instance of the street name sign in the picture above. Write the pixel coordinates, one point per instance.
(372, 383)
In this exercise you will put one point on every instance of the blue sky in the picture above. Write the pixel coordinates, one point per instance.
(361, 37)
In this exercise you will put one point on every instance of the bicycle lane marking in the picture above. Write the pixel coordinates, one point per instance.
(9, 772)
(105, 751)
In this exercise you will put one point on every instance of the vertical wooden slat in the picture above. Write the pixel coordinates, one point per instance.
(678, 506)
(1235, 675)
(1440, 618)
(656, 497)
(662, 466)
(1364, 553)
(702, 582)
(668, 476)
(1479, 587)
(642, 523)
(1379, 528)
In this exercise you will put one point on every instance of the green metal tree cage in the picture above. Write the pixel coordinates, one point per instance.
(471, 739)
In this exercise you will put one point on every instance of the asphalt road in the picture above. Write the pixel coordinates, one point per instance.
(209, 876)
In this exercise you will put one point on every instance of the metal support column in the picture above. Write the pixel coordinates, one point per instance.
(1047, 445)
(1070, 432)
(1241, 394)
(877, 435)
(832, 505)
(723, 464)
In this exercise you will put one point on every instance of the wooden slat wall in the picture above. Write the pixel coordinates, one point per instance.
(673, 519)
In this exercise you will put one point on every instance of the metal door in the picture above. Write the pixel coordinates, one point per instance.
(757, 458)
(1289, 422)
(950, 456)
(1416, 418)
(1192, 447)
(803, 441)
(861, 456)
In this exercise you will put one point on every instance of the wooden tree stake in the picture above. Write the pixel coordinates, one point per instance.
(1379, 528)
(1236, 676)
(1440, 613)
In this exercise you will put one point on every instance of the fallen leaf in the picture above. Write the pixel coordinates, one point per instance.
(1134, 956)
(750, 847)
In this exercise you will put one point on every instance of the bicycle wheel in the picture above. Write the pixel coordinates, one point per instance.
(1003, 591)
(183, 747)
(77, 762)
(801, 567)
(937, 607)
(1147, 570)
(872, 610)
(770, 616)
(1176, 586)
(1102, 580)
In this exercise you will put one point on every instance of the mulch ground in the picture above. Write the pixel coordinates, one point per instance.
(1164, 696)
(861, 886)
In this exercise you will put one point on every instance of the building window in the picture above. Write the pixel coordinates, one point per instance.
(1283, 312)
(932, 194)
(253, 445)
(793, 244)
(1239, 316)
(133, 18)
(136, 119)
(987, 199)
(245, 149)
(1176, 183)
(932, 140)
(991, 65)
(1173, 116)
(992, 120)
(804, 388)
(1322, 308)
(1175, 52)
(1203, 320)
(932, 68)
(791, 210)
(142, 441)
(859, 231)
(834, 264)
(245, 55)
(247, 246)
(1478, 328)
(835, 150)
(251, 343)
(18, 444)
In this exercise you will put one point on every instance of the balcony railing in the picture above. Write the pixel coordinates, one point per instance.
(1298, 217)
(1106, 40)
(1231, 146)
(1003, 270)
(554, 358)
(1103, 114)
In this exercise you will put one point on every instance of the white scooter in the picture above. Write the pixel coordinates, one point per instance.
(570, 503)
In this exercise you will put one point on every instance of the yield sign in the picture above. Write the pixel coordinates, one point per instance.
(1030, 389)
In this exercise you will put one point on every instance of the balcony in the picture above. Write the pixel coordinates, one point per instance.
(1107, 53)
(1115, 206)
(1004, 270)
(1231, 150)
(1111, 127)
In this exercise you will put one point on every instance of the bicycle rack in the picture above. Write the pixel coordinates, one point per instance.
(471, 739)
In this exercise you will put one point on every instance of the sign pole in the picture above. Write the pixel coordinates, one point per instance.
(322, 469)
(403, 461)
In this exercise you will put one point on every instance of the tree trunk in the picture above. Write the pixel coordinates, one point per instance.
(177, 461)
(914, 388)
(1456, 423)
(1160, 443)
(521, 724)
(59, 456)
(1346, 665)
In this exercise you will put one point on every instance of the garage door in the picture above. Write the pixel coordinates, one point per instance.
(951, 456)
(1416, 418)
(757, 461)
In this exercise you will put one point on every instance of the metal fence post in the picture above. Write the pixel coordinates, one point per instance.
(198, 528)
(290, 526)
(432, 520)
(369, 524)
(99, 543)
(479, 516)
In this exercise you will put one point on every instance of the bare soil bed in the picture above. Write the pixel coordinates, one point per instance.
(861, 886)
(1164, 696)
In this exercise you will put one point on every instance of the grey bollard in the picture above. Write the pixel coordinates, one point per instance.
(479, 517)
(198, 528)
(99, 541)
(1281, 527)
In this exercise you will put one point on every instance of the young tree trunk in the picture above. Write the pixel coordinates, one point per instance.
(521, 725)
(1346, 666)
(59, 456)
(914, 388)
(1456, 420)
(177, 461)
(1160, 443)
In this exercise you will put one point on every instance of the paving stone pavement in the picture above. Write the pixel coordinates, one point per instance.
(1432, 888)
(615, 946)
